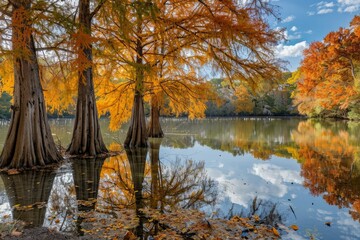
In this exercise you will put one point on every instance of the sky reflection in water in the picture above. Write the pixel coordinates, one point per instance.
(313, 167)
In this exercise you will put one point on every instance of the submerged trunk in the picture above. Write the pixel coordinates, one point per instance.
(29, 141)
(154, 128)
(136, 135)
(28, 194)
(86, 139)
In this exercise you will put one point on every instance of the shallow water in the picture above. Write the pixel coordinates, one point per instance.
(309, 170)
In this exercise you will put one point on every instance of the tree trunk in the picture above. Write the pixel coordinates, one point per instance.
(86, 139)
(154, 128)
(29, 141)
(136, 135)
(29, 188)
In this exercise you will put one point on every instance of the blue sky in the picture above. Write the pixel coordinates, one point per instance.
(307, 21)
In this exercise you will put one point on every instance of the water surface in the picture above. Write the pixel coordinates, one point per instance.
(308, 170)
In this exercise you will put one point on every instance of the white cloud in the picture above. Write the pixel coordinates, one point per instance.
(309, 32)
(291, 50)
(352, 8)
(325, 4)
(325, 10)
(291, 36)
(323, 7)
(311, 13)
(294, 28)
(347, 225)
(289, 19)
(275, 174)
(349, 5)
(294, 37)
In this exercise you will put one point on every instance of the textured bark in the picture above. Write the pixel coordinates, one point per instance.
(86, 139)
(136, 135)
(29, 188)
(29, 141)
(154, 128)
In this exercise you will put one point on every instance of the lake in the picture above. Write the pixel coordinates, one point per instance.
(297, 171)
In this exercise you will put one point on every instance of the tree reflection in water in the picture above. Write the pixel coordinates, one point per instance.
(28, 195)
(130, 181)
(86, 174)
(330, 164)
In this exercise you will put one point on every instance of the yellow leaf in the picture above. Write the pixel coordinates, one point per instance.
(276, 232)
(294, 227)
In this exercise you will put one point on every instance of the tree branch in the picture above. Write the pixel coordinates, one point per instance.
(98, 7)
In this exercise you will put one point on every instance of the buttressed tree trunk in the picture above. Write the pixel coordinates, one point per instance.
(29, 141)
(136, 135)
(86, 139)
(154, 128)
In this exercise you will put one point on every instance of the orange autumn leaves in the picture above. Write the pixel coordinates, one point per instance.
(328, 83)
(330, 164)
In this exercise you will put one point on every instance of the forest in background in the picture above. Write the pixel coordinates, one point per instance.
(326, 85)
(129, 60)
(270, 100)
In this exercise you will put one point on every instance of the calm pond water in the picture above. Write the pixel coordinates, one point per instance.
(309, 170)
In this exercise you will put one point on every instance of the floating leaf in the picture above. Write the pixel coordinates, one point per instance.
(294, 227)
(276, 232)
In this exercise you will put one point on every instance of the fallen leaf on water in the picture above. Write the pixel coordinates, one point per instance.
(129, 236)
(276, 232)
(256, 218)
(294, 227)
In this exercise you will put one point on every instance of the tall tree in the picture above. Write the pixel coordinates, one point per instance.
(86, 139)
(176, 39)
(328, 78)
(29, 141)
